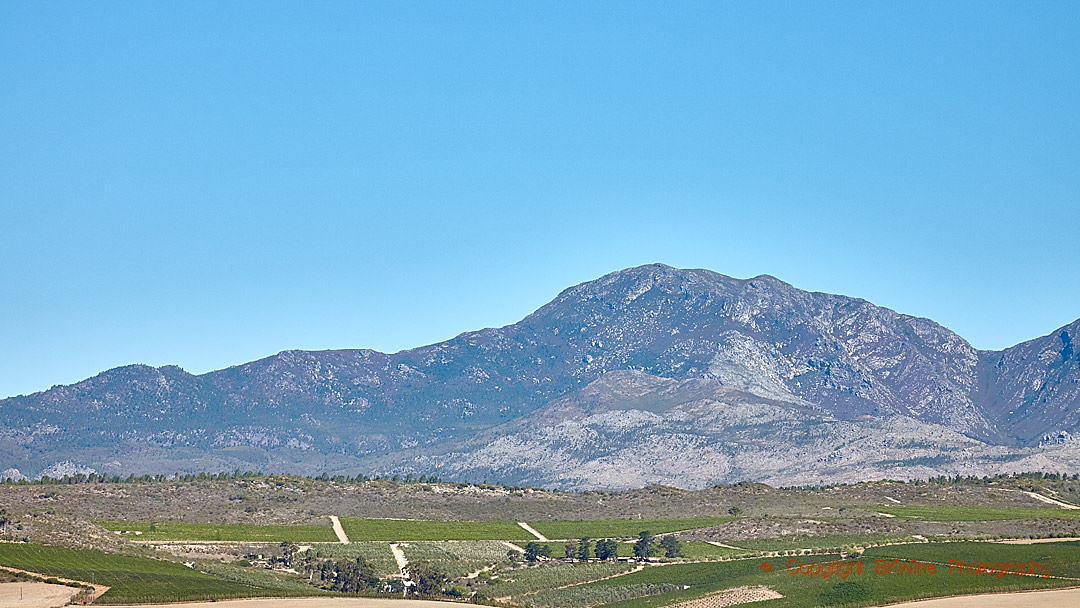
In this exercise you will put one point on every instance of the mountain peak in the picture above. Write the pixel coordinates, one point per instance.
(629, 340)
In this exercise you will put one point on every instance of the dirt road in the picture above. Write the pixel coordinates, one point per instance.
(1056, 598)
(399, 557)
(314, 602)
(339, 530)
(719, 544)
(1052, 501)
(531, 530)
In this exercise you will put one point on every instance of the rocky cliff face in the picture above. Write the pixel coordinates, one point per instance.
(813, 361)
(1032, 390)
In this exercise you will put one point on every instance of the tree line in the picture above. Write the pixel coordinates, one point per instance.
(585, 549)
(79, 478)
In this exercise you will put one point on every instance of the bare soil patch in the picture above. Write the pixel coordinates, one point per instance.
(35, 595)
(1036, 541)
(95, 590)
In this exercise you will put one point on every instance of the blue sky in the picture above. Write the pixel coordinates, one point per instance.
(207, 183)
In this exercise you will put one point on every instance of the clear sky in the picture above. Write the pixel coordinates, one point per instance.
(207, 183)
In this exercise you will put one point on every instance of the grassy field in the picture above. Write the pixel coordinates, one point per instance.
(279, 582)
(622, 528)
(867, 589)
(703, 550)
(588, 595)
(690, 549)
(976, 513)
(172, 530)
(530, 579)
(362, 529)
(456, 558)
(132, 579)
(1064, 558)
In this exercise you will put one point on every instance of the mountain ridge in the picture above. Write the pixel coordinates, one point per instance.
(845, 357)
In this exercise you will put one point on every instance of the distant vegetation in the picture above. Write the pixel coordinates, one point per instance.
(217, 476)
(822, 542)
(172, 530)
(622, 528)
(977, 513)
(1030, 481)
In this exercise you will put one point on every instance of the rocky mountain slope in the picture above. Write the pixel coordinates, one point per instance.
(698, 376)
(1033, 388)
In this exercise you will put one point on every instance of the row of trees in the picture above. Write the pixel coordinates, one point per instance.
(945, 480)
(79, 478)
(221, 476)
(584, 549)
(411, 478)
(970, 480)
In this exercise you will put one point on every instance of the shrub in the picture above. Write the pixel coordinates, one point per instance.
(847, 592)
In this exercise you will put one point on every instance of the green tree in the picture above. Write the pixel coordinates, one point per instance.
(607, 549)
(734, 511)
(353, 576)
(584, 549)
(671, 546)
(643, 548)
(288, 551)
(534, 551)
(570, 549)
(429, 579)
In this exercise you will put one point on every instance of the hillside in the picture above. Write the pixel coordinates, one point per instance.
(686, 377)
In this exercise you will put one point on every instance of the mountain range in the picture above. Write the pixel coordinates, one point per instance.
(647, 375)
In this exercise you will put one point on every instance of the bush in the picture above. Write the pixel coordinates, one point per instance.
(847, 592)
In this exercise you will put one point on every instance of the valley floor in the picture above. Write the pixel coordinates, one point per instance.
(273, 539)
